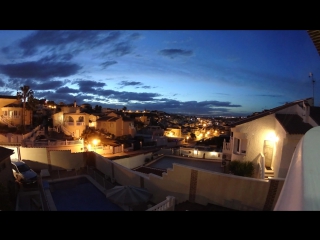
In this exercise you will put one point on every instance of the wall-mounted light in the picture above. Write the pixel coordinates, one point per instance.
(272, 137)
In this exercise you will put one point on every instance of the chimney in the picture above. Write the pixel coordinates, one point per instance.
(75, 103)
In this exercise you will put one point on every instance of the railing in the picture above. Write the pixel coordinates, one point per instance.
(65, 130)
(166, 205)
(6, 120)
(261, 165)
(301, 191)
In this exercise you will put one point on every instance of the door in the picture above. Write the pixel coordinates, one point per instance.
(77, 133)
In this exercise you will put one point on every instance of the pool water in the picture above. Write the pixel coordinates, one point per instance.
(166, 162)
(79, 194)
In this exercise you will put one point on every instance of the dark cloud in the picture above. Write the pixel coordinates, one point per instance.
(107, 64)
(121, 49)
(64, 90)
(72, 41)
(39, 70)
(172, 53)
(2, 83)
(127, 83)
(87, 86)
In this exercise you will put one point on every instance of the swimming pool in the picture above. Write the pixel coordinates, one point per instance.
(77, 194)
(167, 161)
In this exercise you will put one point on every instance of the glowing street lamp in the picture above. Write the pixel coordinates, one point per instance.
(95, 142)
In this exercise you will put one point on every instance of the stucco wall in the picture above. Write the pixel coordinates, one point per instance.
(239, 193)
(182, 182)
(41, 158)
(258, 131)
(66, 160)
(125, 176)
(232, 191)
(287, 153)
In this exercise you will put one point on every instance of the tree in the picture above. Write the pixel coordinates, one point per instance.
(124, 108)
(25, 93)
(97, 109)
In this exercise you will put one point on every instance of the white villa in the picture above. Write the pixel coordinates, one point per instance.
(269, 138)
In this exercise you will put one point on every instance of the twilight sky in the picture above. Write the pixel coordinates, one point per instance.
(193, 72)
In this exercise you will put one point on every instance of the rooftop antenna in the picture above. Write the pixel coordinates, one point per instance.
(313, 81)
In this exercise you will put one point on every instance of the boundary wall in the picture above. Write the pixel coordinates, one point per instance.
(182, 182)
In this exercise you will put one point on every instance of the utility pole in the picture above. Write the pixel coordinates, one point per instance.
(313, 81)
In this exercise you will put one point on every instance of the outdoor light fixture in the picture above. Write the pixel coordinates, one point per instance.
(95, 142)
(272, 137)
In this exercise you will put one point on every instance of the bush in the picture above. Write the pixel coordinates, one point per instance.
(240, 168)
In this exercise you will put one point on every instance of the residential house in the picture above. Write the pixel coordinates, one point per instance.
(12, 112)
(72, 121)
(269, 138)
(6, 175)
(117, 125)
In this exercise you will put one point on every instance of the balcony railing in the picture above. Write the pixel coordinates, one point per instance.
(166, 205)
(301, 191)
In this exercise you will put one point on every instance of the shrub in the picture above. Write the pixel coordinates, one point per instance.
(240, 168)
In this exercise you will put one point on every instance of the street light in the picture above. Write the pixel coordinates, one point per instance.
(95, 142)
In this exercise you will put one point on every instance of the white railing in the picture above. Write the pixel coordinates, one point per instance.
(301, 191)
(166, 205)
(66, 130)
(261, 164)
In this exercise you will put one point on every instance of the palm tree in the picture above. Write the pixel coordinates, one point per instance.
(24, 94)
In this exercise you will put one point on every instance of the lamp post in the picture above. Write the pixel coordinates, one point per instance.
(95, 142)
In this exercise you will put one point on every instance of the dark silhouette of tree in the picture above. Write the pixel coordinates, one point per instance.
(97, 109)
(24, 94)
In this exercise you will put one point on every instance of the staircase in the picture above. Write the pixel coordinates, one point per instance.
(268, 173)
(6, 121)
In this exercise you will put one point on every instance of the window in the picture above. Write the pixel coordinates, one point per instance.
(240, 146)
(16, 114)
(81, 119)
(5, 113)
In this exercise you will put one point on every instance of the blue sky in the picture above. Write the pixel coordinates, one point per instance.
(193, 72)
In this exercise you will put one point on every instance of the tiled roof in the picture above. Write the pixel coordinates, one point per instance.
(108, 118)
(293, 124)
(315, 114)
(8, 97)
(19, 105)
(267, 112)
